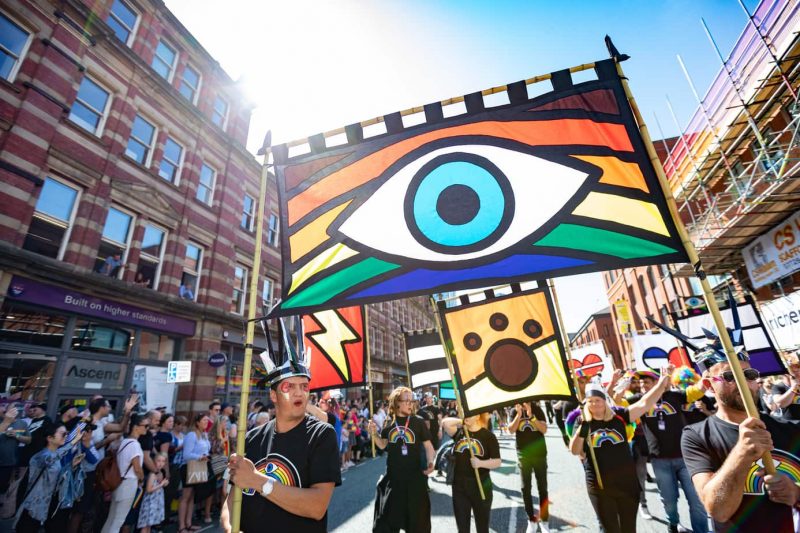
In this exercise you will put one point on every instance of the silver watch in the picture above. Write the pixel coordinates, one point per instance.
(266, 488)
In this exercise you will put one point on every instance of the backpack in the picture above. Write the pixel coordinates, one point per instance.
(107, 477)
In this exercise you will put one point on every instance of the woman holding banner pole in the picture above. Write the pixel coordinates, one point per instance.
(410, 461)
(601, 434)
(485, 456)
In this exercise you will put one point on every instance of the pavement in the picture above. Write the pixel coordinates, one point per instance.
(351, 507)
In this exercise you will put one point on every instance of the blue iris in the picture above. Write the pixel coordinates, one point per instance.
(458, 204)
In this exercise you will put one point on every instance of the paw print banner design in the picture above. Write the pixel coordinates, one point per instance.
(506, 350)
(554, 185)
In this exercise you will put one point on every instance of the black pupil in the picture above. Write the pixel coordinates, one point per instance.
(458, 204)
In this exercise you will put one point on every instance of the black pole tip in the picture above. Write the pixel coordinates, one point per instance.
(613, 52)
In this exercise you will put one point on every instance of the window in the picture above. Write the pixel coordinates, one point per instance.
(266, 292)
(239, 284)
(652, 277)
(190, 279)
(52, 219)
(90, 336)
(114, 245)
(272, 231)
(31, 327)
(152, 255)
(140, 144)
(122, 20)
(14, 43)
(164, 60)
(190, 84)
(219, 115)
(90, 107)
(171, 161)
(248, 212)
(205, 189)
(605, 330)
(156, 347)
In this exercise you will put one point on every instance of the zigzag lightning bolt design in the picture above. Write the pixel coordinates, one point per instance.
(335, 332)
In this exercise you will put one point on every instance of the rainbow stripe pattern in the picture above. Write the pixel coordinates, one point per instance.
(601, 436)
(402, 434)
(464, 444)
(664, 407)
(526, 425)
(548, 186)
(278, 468)
(785, 463)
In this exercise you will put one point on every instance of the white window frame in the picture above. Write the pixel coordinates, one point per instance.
(62, 248)
(132, 34)
(273, 233)
(199, 82)
(176, 180)
(197, 274)
(157, 277)
(224, 123)
(128, 238)
(101, 124)
(150, 148)
(210, 201)
(242, 288)
(251, 214)
(266, 299)
(12, 75)
(173, 67)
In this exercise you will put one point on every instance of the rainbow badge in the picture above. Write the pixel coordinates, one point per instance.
(280, 469)
(664, 407)
(527, 426)
(402, 434)
(601, 436)
(464, 444)
(785, 463)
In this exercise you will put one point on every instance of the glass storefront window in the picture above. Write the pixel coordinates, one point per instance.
(156, 347)
(27, 376)
(30, 327)
(90, 336)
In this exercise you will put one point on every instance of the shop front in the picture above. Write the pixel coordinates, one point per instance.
(58, 345)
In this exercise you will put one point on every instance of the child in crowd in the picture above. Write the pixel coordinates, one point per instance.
(152, 510)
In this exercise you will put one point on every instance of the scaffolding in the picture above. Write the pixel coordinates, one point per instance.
(736, 172)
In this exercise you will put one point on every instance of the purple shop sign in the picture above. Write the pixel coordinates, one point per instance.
(29, 291)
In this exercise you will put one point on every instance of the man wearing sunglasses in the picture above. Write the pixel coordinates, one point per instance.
(723, 454)
(291, 464)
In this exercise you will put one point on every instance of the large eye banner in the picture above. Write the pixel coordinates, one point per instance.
(554, 185)
(506, 350)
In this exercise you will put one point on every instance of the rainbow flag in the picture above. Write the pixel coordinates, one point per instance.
(554, 185)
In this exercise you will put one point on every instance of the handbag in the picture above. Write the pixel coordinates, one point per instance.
(219, 463)
(196, 472)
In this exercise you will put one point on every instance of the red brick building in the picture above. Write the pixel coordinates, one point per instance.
(120, 134)
(599, 327)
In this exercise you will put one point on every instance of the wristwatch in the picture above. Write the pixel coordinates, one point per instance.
(267, 487)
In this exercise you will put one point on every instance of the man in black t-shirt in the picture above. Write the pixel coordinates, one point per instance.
(663, 426)
(528, 426)
(430, 413)
(723, 454)
(787, 397)
(291, 464)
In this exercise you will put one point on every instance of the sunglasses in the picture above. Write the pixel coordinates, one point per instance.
(750, 374)
(405, 401)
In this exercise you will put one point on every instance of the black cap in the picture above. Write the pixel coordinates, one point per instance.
(64, 408)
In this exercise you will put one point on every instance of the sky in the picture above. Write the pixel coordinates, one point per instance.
(311, 66)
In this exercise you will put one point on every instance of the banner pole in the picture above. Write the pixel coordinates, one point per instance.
(694, 259)
(241, 432)
(369, 371)
(455, 390)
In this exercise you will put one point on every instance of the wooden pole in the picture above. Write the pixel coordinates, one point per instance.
(369, 371)
(236, 507)
(455, 390)
(694, 259)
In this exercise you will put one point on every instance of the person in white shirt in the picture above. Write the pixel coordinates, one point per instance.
(129, 462)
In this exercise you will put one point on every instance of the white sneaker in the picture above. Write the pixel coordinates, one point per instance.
(532, 526)
(645, 512)
(544, 526)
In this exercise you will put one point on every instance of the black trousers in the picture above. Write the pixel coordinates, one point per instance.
(548, 409)
(561, 427)
(538, 467)
(467, 500)
(616, 510)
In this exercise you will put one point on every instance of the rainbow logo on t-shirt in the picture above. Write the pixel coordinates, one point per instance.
(278, 468)
(464, 444)
(664, 407)
(785, 463)
(526, 425)
(601, 436)
(402, 434)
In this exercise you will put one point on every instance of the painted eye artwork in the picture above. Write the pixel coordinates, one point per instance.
(541, 187)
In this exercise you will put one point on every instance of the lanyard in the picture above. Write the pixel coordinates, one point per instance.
(404, 428)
